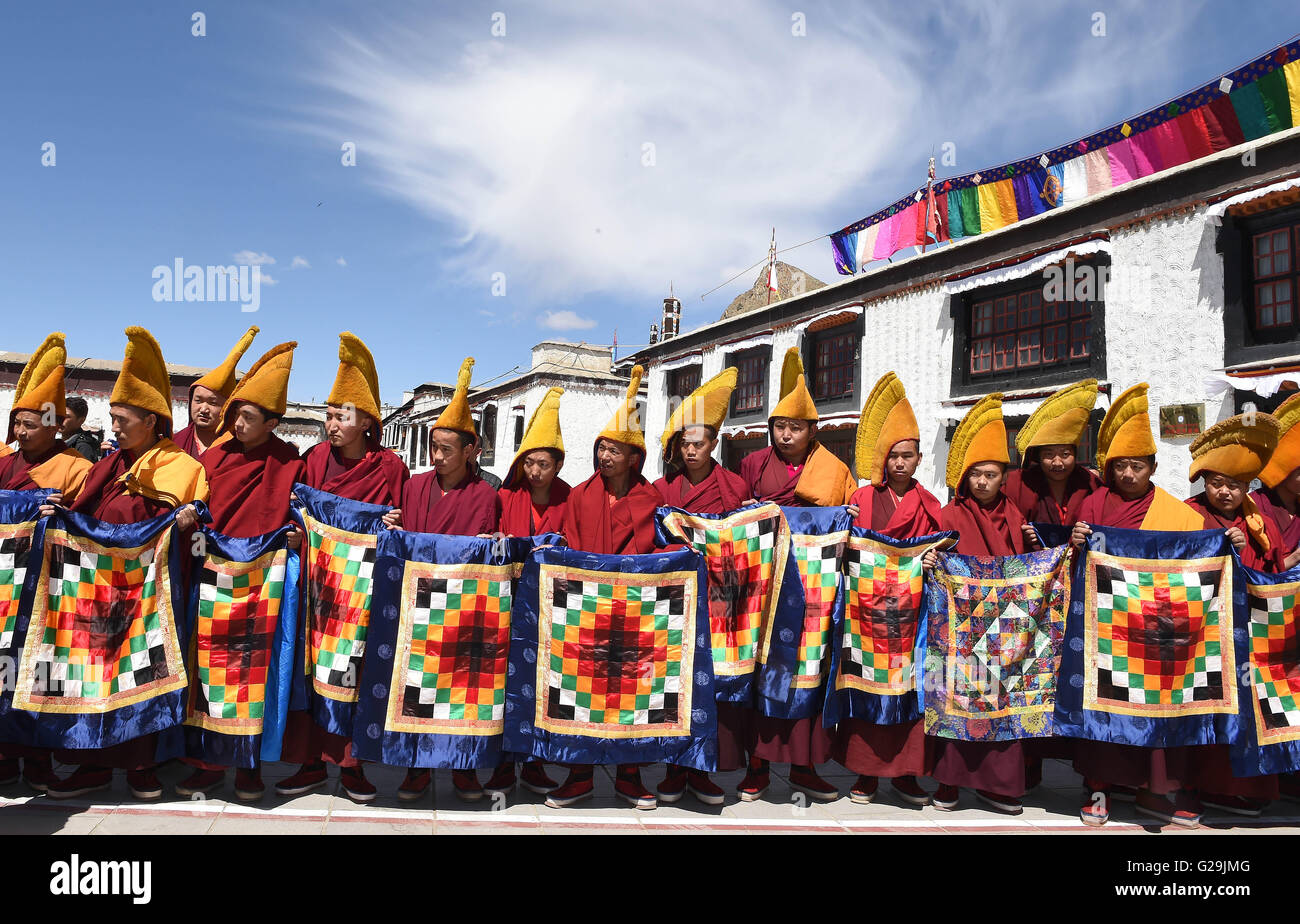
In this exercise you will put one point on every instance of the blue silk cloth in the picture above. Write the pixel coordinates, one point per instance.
(1267, 606)
(610, 660)
(243, 616)
(433, 692)
(875, 656)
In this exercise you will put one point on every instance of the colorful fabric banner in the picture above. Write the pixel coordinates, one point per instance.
(873, 659)
(795, 654)
(746, 554)
(99, 639)
(339, 561)
(1269, 739)
(611, 660)
(1151, 659)
(434, 686)
(19, 514)
(1252, 102)
(243, 623)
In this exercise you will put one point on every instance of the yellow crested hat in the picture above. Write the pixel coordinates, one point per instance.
(1286, 457)
(1062, 418)
(266, 384)
(796, 403)
(1238, 447)
(456, 415)
(543, 432)
(980, 437)
(625, 425)
(40, 386)
(357, 382)
(1126, 430)
(143, 381)
(887, 418)
(706, 405)
(222, 379)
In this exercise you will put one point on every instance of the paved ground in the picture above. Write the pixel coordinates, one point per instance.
(1052, 807)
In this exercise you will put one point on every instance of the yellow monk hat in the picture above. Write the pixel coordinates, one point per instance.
(222, 379)
(980, 437)
(625, 425)
(266, 384)
(543, 433)
(357, 382)
(143, 381)
(1238, 447)
(887, 418)
(796, 403)
(706, 405)
(1286, 457)
(1126, 430)
(1061, 419)
(456, 415)
(40, 386)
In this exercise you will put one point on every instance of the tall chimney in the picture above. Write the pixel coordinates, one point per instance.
(672, 317)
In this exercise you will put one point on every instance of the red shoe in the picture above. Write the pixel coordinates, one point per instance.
(9, 771)
(354, 783)
(466, 784)
(308, 777)
(248, 785)
(200, 782)
(756, 781)
(627, 786)
(577, 787)
(414, 786)
(806, 780)
(534, 779)
(1095, 810)
(704, 789)
(1236, 805)
(82, 781)
(144, 784)
(1185, 812)
(674, 785)
(864, 790)
(910, 791)
(1007, 805)
(946, 798)
(503, 779)
(38, 773)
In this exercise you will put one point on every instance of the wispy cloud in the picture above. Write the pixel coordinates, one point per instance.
(299, 263)
(341, 262)
(565, 320)
(253, 258)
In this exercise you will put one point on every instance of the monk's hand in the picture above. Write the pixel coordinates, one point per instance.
(293, 538)
(52, 503)
(929, 558)
(1079, 535)
(853, 510)
(1031, 536)
(393, 518)
(749, 501)
(187, 516)
(1236, 537)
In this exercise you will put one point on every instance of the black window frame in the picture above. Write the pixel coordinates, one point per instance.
(488, 435)
(1243, 342)
(693, 373)
(519, 432)
(763, 355)
(812, 340)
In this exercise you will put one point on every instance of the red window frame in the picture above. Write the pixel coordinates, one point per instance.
(681, 382)
(751, 381)
(834, 363)
(1274, 257)
(1021, 331)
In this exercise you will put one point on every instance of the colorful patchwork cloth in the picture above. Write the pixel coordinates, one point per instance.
(746, 554)
(338, 561)
(795, 655)
(1267, 607)
(243, 619)
(1150, 659)
(873, 659)
(611, 660)
(19, 514)
(433, 693)
(101, 646)
(995, 628)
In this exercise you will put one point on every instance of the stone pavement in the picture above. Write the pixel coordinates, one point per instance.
(1052, 808)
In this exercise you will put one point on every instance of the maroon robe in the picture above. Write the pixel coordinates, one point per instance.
(249, 490)
(14, 468)
(188, 440)
(918, 513)
(768, 478)
(1030, 491)
(1287, 523)
(626, 526)
(1105, 507)
(520, 518)
(1254, 554)
(721, 491)
(991, 531)
(471, 508)
(105, 498)
(378, 477)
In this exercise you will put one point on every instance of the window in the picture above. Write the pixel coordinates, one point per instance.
(1086, 455)
(519, 432)
(834, 356)
(1273, 268)
(1261, 277)
(842, 443)
(750, 395)
(488, 435)
(681, 382)
(424, 445)
(734, 451)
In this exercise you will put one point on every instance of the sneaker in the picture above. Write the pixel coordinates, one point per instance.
(414, 786)
(1007, 805)
(39, 774)
(144, 785)
(864, 790)
(576, 788)
(82, 781)
(754, 785)
(309, 777)
(503, 780)
(534, 779)
(910, 791)
(1095, 810)
(200, 782)
(806, 781)
(946, 797)
(467, 786)
(1236, 805)
(354, 783)
(248, 785)
(704, 789)
(674, 785)
(9, 771)
(627, 786)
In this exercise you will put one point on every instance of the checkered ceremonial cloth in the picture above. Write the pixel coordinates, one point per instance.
(994, 640)
(339, 565)
(818, 560)
(15, 549)
(745, 553)
(1274, 661)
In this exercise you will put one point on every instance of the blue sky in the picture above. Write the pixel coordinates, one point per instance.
(523, 154)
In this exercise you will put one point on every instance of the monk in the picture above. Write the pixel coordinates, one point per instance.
(1050, 486)
(42, 461)
(148, 476)
(251, 473)
(208, 397)
(451, 500)
(352, 464)
(794, 471)
(612, 513)
(893, 504)
(696, 483)
(1276, 499)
